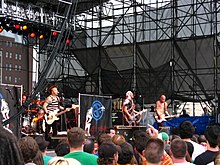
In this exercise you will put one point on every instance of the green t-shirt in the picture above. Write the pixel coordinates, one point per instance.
(83, 157)
(46, 159)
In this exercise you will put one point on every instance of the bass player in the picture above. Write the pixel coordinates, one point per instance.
(161, 110)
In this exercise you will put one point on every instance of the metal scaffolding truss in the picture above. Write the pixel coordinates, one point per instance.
(151, 47)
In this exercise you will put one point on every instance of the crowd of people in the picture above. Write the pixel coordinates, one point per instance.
(150, 147)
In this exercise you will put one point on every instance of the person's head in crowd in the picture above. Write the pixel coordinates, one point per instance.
(172, 137)
(63, 161)
(42, 143)
(126, 154)
(108, 154)
(202, 140)
(10, 153)
(89, 146)
(110, 131)
(178, 149)
(103, 137)
(186, 130)
(76, 138)
(190, 150)
(29, 148)
(139, 146)
(195, 138)
(118, 139)
(211, 134)
(38, 159)
(154, 151)
(62, 148)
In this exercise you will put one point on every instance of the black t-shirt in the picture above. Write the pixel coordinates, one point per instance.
(205, 158)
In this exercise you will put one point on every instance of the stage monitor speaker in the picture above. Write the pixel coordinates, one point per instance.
(127, 131)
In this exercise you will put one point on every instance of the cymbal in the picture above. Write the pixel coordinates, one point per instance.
(31, 110)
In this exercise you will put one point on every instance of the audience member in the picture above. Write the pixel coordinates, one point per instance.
(202, 140)
(186, 131)
(110, 131)
(166, 160)
(29, 149)
(178, 152)
(126, 154)
(189, 152)
(62, 148)
(118, 139)
(89, 146)
(76, 139)
(63, 161)
(10, 153)
(140, 142)
(154, 151)
(38, 160)
(108, 154)
(43, 144)
(211, 135)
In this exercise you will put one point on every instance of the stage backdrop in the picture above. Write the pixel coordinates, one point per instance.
(10, 100)
(95, 113)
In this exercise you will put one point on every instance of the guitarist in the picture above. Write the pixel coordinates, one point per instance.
(128, 110)
(161, 110)
(50, 105)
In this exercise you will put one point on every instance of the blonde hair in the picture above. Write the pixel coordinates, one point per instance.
(63, 161)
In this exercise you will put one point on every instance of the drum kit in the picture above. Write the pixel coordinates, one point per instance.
(32, 119)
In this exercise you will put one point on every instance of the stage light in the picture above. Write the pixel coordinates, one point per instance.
(17, 26)
(24, 27)
(67, 41)
(54, 34)
(41, 36)
(1, 29)
(32, 34)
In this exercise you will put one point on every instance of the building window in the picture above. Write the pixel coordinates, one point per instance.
(19, 56)
(9, 78)
(6, 78)
(6, 66)
(10, 44)
(6, 43)
(16, 80)
(10, 55)
(16, 56)
(19, 68)
(16, 67)
(6, 54)
(10, 66)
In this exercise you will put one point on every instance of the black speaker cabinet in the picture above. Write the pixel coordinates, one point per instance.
(127, 131)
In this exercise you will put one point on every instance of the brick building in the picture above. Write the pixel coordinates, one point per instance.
(15, 63)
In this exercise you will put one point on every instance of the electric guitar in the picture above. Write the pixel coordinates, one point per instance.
(53, 116)
(135, 118)
(163, 118)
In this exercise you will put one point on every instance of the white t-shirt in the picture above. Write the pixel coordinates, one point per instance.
(198, 149)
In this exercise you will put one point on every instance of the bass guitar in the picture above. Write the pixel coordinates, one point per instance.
(163, 118)
(53, 116)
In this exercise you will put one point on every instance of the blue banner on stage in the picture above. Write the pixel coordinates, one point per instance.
(95, 113)
(200, 123)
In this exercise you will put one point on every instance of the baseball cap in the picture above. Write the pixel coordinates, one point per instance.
(163, 136)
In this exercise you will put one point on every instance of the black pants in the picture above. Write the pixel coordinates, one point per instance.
(48, 127)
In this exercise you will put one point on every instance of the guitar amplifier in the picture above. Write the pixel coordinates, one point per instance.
(128, 131)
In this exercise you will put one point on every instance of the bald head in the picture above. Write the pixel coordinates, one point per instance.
(162, 98)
